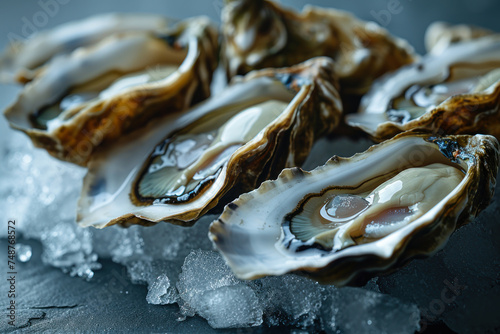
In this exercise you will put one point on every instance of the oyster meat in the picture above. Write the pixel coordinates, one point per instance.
(21, 60)
(180, 167)
(352, 218)
(95, 94)
(454, 92)
(260, 33)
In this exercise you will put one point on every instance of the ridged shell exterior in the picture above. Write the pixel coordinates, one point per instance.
(286, 141)
(103, 120)
(250, 236)
(471, 113)
(258, 34)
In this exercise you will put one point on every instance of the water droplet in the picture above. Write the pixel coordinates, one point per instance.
(344, 207)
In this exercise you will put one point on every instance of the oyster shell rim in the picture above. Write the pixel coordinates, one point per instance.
(336, 267)
(12, 72)
(440, 119)
(98, 122)
(399, 46)
(307, 81)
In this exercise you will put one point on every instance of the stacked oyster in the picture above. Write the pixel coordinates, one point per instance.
(178, 168)
(111, 83)
(129, 100)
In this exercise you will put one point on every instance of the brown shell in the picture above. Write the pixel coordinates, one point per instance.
(472, 65)
(314, 111)
(259, 33)
(93, 124)
(461, 114)
(250, 233)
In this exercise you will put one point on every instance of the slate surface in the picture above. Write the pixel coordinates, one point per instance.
(50, 300)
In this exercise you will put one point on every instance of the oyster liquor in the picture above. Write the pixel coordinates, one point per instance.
(11, 272)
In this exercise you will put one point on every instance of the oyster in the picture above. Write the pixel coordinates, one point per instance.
(455, 92)
(259, 34)
(98, 93)
(440, 35)
(180, 167)
(23, 57)
(354, 217)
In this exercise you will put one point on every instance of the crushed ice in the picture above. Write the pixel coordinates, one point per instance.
(179, 265)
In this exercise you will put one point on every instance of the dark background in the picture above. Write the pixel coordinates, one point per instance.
(64, 303)
(410, 23)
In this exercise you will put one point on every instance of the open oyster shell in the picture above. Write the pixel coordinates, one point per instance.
(454, 92)
(96, 94)
(260, 34)
(352, 218)
(178, 168)
(23, 57)
(440, 35)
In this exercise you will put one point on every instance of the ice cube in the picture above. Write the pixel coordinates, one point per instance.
(163, 241)
(139, 270)
(203, 271)
(69, 247)
(289, 299)
(161, 292)
(208, 287)
(230, 307)
(41, 196)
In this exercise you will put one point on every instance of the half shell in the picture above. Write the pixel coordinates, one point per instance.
(23, 57)
(454, 92)
(181, 166)
(260, 34)
(355, 217)
(98, 93)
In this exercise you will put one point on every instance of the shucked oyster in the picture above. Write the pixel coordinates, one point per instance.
(180, 167)
(354, 217)
(98, 93)
(259, 33)
(454, 92)
(23, 57)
